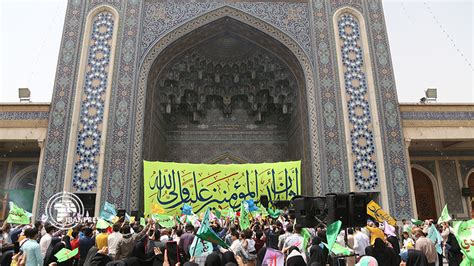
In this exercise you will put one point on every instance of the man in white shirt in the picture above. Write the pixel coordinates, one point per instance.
(45, 240)
(361, 241)
(113, 240)
(295, 240)
(236, 244)
(282, 238)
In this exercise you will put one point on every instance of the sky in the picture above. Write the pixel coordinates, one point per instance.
(431, 45)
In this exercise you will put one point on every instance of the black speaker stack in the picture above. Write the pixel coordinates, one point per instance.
(349, 208)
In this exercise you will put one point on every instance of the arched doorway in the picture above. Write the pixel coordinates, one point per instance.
(424, 195)
(300, 130)
(226, 88)
(470, 184)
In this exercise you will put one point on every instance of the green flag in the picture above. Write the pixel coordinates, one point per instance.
(416, 222)
(306, 236)
(102, 224)
(208, 235)
(464, 232)
(164, 220)
(229, 212)
(205, 232)
(244, 216)
(331, 233)
(200, 248)
(17, 215)
(274, 213)
(64, 254)
(218, 213)
(339, 250)
(444, 215)
(142, 221)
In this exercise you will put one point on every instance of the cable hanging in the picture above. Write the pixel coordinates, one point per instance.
(448, 36)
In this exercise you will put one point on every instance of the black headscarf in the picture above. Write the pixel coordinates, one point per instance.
(316, 253)
(49, 256)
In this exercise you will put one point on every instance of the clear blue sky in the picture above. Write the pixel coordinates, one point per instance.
(420, 36)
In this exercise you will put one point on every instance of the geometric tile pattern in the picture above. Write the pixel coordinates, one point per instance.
(391, 132)
(359, 114)
(86, 162)
(451, 188)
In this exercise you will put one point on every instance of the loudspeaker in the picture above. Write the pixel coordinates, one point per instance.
(136, 214)
(303, 211)
(121, 213)
(338, 209)
(358, 209)
(319, 208)
(281, 204)
(264, 201)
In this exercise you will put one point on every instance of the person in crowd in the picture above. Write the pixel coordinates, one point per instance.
(317, 254)
(413, 257)
(407, 241)
(85, 243)
(31, 248)
(295, 257)
(426, 246)
(375, 231)
(295, 240)
(45, 240)
(101, 239)
(453, 250)
(361, 241)
(113, 239)
(186, 239)
(383, 254)
(282, 238)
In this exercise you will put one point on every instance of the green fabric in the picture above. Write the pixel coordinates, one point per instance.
(200, 248)
(306, 236)
(64, 254)
(463, 230)
(142, 221)
(17, 215)
(22, 197)
(205, 232)
(444, 215)
(331, 233)
(209, 235)
(102, 224)
(338, 249)
(218, 213)
(244, 216)
(164, 220)
(274, 213)
(416, 222)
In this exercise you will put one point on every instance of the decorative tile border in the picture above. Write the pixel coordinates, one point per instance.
(93, 96)
(333, 153)
(437, 115)
(395, 159)
(364, 163)
(164, 16)
(57, 139)
(21, 115)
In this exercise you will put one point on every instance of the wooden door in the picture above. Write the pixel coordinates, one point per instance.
(424, 195)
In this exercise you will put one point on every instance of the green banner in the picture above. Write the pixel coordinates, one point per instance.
(170, 185)
(464, 232)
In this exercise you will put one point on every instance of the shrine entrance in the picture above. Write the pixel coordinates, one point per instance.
(227, 93)
(424, 195)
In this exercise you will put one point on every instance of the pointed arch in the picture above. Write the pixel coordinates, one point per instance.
(434, 185)
(266, 29)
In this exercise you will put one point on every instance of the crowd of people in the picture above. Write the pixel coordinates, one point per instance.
(132, 243)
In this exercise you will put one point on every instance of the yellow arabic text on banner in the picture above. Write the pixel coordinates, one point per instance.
(169, 185)
(374, 210)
